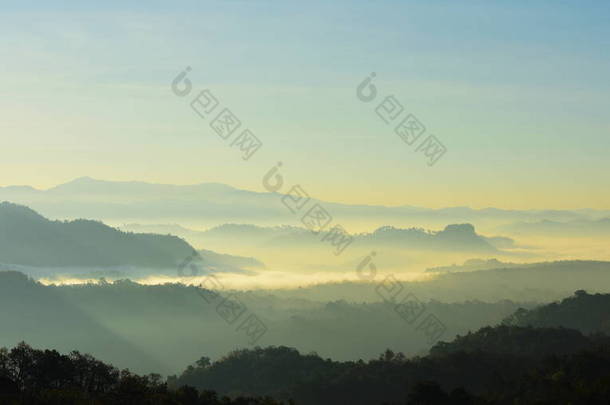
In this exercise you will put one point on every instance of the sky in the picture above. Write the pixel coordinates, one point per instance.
(517, 92)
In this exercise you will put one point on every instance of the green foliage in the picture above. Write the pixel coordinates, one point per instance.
(31, 376)
(520, 341)
(588, 313)
(501, 365)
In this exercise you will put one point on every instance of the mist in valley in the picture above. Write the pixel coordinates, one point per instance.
(304, 203)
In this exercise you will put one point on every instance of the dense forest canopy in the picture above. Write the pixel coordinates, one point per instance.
(490, 365)
(33, 376)
(477, 370)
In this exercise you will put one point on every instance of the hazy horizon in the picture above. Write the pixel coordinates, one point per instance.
(221, 202)
(521, 112)
(262, 190)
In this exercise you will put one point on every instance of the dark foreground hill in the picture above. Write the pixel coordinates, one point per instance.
(574, 369)
(588, 313)
(486, 374)
(162, 328)
(27, 238)
(504, 364)
(494, 365)
(31, 376)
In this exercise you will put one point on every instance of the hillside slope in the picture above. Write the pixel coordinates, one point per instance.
(27, 238)
(588, 313)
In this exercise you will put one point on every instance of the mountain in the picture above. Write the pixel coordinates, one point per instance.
(473, 265)
(588, 313)
(518, 341)
(492, 365)
(574, 228)
(495, 365)
(171, 324)
(522, 283)
(42, 316)
(455, 237)
(220, 262)
(215, 204)
(460, 237)
(36, 376)
(27, 238)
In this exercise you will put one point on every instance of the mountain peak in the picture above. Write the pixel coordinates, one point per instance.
(83, 243)
(78, 182)
(464, 229)
(9, 209)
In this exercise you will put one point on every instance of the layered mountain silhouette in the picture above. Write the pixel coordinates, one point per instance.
(529, 282)
(473, 265)
(454, 237)
(27, 238)
(588, 313)
(174, 323)
(213, 202)
(226, 262)
(575, 228)
(42, 315)
(499, 364)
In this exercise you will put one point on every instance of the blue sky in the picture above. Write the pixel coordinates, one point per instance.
(517, 91)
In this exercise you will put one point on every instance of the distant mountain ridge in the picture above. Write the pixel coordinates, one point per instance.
(521, 282)
(574, 228)
(474, 265)
(27, 238)
(91, 198)
(452, 237)
(499, 365)
(228, 263)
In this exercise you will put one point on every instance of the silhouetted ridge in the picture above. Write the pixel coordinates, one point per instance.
(33, 376)
(27, 238)
(516, 340)
(501, 365)
(588, 313)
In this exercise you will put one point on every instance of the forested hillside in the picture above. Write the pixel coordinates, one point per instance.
(34, 376)
(27, 238)
(494, 365)
(502, 364)
(574, 369)
(586, 312)
(162, 328)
